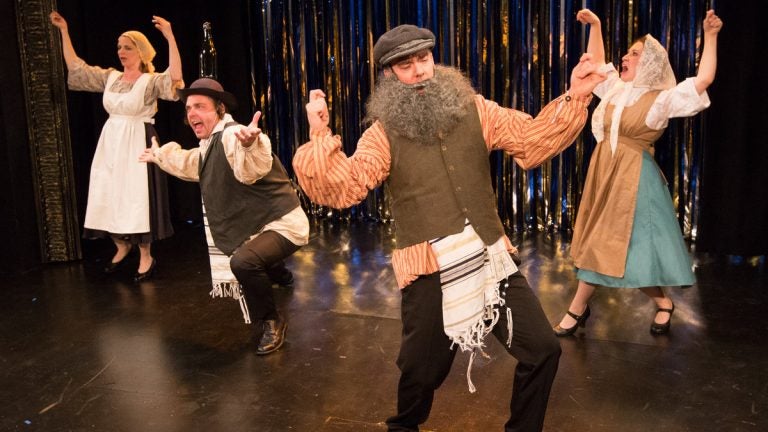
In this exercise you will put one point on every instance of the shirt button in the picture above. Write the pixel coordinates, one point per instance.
(450, 167)
(444, 148)
(458, 188)
(465, 210)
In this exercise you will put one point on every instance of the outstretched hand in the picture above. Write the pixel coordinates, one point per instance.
(148, 155)
(585, 76)
(58, 21)
(317, 111)
(248, 135)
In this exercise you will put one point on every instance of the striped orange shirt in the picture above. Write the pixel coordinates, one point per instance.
(329, 177)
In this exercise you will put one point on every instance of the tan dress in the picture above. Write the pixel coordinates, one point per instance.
(606, 213)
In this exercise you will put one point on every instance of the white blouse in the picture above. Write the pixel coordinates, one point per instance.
(680, 101)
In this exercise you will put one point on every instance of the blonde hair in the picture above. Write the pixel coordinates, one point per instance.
(146, 51)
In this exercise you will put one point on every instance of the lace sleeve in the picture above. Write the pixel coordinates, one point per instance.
(84, 77)
(161, 86)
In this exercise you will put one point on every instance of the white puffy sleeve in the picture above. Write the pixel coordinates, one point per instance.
(680, 101)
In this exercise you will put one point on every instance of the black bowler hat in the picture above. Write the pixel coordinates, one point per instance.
(401, 42)
(211, 88)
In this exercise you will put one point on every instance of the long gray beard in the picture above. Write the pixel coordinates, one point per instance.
(421, 115)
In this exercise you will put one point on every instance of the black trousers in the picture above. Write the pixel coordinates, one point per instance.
(256, 264)
(425, 358)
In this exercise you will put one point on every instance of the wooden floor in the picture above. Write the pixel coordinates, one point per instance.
(83, 351)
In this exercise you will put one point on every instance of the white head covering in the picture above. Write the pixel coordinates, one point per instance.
(146, 51)
(653, 73)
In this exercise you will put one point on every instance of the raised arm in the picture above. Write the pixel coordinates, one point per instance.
(70, 57)
(595, 43)
(317, 111)
(325, 173)
(585, 76)
(174, 59)
(708, 64)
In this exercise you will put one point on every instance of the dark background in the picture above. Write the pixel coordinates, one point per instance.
(733, 215)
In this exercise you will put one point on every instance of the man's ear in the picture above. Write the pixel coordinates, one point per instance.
(388, 71)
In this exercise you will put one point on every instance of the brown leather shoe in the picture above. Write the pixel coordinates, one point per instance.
(273, 337)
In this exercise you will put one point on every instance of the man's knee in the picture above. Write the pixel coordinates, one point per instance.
(552, 348)
(543, 350)
(240, 263)
(426, 380)
(547, 350)
(425, 371)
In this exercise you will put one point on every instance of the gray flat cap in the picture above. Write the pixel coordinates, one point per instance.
(400, 42)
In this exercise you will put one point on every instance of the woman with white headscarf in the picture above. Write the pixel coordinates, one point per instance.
(626, 233)
(127, 199)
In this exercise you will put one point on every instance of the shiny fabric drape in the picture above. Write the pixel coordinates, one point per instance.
(518, 53)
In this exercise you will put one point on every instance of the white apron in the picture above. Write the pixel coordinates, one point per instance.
(118, 194)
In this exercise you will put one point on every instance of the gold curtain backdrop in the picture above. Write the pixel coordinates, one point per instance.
(518, 53)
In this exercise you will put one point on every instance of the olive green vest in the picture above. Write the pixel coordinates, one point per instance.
(235, 210)
(435, 187)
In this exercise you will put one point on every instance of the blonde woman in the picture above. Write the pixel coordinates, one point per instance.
(127, 200)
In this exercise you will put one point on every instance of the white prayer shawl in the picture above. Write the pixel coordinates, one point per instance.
(470, 278)
(653, 73)
(225, 283)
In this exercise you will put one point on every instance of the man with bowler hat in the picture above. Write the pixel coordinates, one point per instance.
(429, 139)
(252, 209)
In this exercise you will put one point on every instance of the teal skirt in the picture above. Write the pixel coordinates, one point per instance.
(657, 254)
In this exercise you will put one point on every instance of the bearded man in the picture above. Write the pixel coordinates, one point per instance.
(429, 139)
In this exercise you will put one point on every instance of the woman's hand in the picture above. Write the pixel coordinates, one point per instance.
(58, 21)
(712, 23)
(163, 25)
(585, 76)
(586, 16)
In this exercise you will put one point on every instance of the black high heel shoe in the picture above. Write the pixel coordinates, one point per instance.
(141, 277)
(113, 266)
(659, 329)
(581, 321)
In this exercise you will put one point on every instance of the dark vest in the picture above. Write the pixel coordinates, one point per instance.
(435, 187)
(235, 210)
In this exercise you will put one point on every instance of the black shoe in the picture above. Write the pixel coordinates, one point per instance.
(659, 329)
(113, 266)
(141, 277)
(581, 321)
(273, 337)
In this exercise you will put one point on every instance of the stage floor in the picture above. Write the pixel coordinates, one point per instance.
(84, 351)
